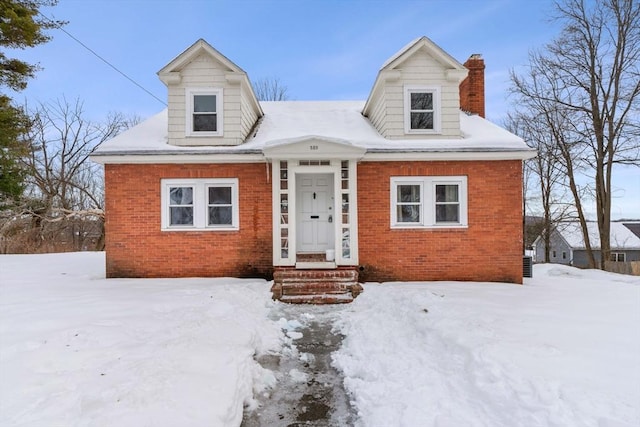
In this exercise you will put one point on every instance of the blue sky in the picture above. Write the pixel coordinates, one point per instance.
(329, 49)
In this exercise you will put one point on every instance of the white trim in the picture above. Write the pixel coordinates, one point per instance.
(208, 157)
(427, 201)
(437, 107)
(190, 92)
(177, 158)
(200, 204)
(447, 155)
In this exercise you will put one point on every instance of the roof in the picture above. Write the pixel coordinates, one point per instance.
(286, 121)
(622, 238)
(436, 51)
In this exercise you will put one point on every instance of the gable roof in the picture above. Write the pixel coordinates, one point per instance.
(455, 70)
(413, 46)
(622, 238)
(170, 73)
(192, 52)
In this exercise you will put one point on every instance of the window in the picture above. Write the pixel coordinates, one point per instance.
(564, 255)
(180, 206)
(204, 112)
(428, 202)
(421, 106)
(618, 257)
(553, 254)
(200, 204)
(409, 206)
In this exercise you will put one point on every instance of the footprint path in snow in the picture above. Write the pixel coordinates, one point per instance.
(309, 391)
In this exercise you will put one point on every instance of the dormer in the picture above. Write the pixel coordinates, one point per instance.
(211, 101)
(416, 94)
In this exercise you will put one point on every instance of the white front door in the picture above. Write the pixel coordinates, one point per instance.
(315, 224)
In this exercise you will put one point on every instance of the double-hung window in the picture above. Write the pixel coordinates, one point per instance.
(199, 204)
(421, 109)
(428, 202)
(204, 112)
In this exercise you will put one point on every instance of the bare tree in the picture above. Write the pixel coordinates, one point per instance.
(544, 174)
(270, 89)
(585, 87)
(63, 185)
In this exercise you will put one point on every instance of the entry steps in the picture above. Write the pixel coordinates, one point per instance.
(315, 286)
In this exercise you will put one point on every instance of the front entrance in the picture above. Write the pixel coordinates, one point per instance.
(314, 212)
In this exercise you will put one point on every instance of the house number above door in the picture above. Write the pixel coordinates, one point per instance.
(313, 147)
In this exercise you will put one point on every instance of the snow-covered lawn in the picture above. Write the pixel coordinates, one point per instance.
(79, 350)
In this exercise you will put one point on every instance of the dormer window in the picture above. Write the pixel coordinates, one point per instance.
(421, 109)
(204, 112)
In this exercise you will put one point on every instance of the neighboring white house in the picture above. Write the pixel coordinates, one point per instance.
(567, 244)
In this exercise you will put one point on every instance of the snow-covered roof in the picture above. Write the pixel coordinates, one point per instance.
(621, 236)
(285, 121)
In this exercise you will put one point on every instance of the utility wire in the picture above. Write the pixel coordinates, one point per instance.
(101, 58)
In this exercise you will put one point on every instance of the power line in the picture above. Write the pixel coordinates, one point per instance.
(101, 58)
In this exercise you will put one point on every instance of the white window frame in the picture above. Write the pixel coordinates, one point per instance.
(428, 201)
(435, 90)
(200, 204)
(617, 256)
(189, 95)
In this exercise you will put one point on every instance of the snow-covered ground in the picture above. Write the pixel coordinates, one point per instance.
(79, 350)
(562, 350)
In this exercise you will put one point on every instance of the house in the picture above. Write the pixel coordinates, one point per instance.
(410, 184)
(567, 244)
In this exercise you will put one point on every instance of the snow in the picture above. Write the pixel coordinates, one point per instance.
(562, 350)
(286, 121)
(621, 236)
(77, 349)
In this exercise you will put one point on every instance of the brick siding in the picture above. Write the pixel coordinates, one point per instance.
(490, 249)
(136, 247)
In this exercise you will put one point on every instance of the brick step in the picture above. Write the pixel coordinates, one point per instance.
(316, 288)
(318, 299)
(297, 286)
(315, 275)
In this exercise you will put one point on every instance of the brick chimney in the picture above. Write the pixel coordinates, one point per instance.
(472, 87)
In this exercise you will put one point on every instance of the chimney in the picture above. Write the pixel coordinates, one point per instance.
(472, 87)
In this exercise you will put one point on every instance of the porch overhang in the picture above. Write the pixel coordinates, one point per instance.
(313, 147)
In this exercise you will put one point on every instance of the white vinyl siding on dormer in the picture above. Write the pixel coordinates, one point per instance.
(206, 74)
(387, 109)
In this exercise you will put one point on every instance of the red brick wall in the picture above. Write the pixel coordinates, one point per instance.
(136, 247)
(490, 249)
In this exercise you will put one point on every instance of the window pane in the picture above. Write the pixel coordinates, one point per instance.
(446, 193)
(421, 120)
(408, 213)
(180, 196)
(220, 215)
(181, 215)
(409, 193)
(204, 103)
(422, 101)
(448, 213)
(205, 122)
(219, 195)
